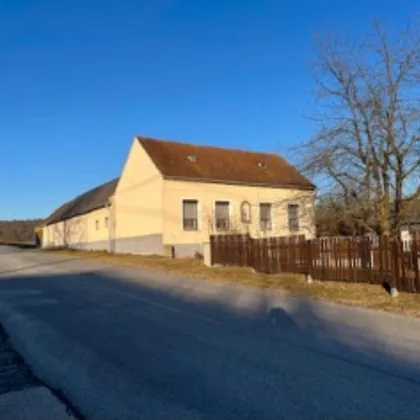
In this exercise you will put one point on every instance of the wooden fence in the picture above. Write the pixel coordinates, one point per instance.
(359, 259)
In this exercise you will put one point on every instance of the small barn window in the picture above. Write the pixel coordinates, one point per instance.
(192, 158)
(190, 214)
(222, 212)
(266, 222)
(106, 222)
(293, 217)
(97, 224)
(245, 212)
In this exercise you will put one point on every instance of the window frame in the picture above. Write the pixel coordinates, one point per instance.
(222, 200)
(271, 228)
(106, 219)
(294, 205)
(97, 224)
(198, 214)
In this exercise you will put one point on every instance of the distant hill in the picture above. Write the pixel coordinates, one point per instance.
(12, 231)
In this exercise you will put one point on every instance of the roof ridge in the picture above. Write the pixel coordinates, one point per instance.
(231, 149)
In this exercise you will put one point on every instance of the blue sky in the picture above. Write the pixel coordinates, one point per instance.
(80, 78)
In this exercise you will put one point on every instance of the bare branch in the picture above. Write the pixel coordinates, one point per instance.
(368, 142)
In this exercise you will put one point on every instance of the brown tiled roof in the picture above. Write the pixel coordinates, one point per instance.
(93, 199)
(213, 164)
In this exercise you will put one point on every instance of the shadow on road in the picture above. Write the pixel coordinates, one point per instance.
(170, 335)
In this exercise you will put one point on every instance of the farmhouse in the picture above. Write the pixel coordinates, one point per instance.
(171, 196)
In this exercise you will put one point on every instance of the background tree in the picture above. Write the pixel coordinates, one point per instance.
(366, 151)
(18, 231)
(332, 219)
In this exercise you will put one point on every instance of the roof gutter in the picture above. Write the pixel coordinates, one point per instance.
(309, 187)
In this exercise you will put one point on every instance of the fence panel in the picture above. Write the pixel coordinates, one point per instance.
(415, 258)
(356, 259)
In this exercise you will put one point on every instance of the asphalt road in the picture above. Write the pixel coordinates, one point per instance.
(122, 343)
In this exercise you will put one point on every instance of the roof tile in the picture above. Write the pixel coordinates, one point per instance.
(214, 164)
(93, 199)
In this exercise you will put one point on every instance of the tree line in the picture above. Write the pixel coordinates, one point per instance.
(13, 231)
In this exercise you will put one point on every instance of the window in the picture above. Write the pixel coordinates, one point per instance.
(222, 215)
(97, 224)
(293, 216)
(192, 158)
(106, 222)
(265, 216)
(190, 214)
(245, 212)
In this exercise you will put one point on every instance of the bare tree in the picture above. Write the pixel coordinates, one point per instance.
(367, 146)
(18, 231)
(333, 219)
(69, 233)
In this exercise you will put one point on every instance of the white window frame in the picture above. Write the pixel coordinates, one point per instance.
(272, 216)
(292, 203)
(222, 200)
(198, 213)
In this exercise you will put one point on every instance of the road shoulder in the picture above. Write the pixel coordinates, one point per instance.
(22, 395)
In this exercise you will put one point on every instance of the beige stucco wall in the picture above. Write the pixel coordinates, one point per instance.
(208, 193)
(138, 197)
(146, 211)
(78, 231)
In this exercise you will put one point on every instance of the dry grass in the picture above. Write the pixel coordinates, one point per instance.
(364, 295)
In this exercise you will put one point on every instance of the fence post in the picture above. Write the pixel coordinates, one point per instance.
(395, 268)
(256, 254)
(349, 261)
(271, 254)
(405, 285)
(230, 257)
(309, 278)
(278, 268)
(208, 253)
(265, 265)
(369, 259)
(238, 250)
(213, 251)
(249, 251)
(416, 261)
(223, 249)
(232, 251)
